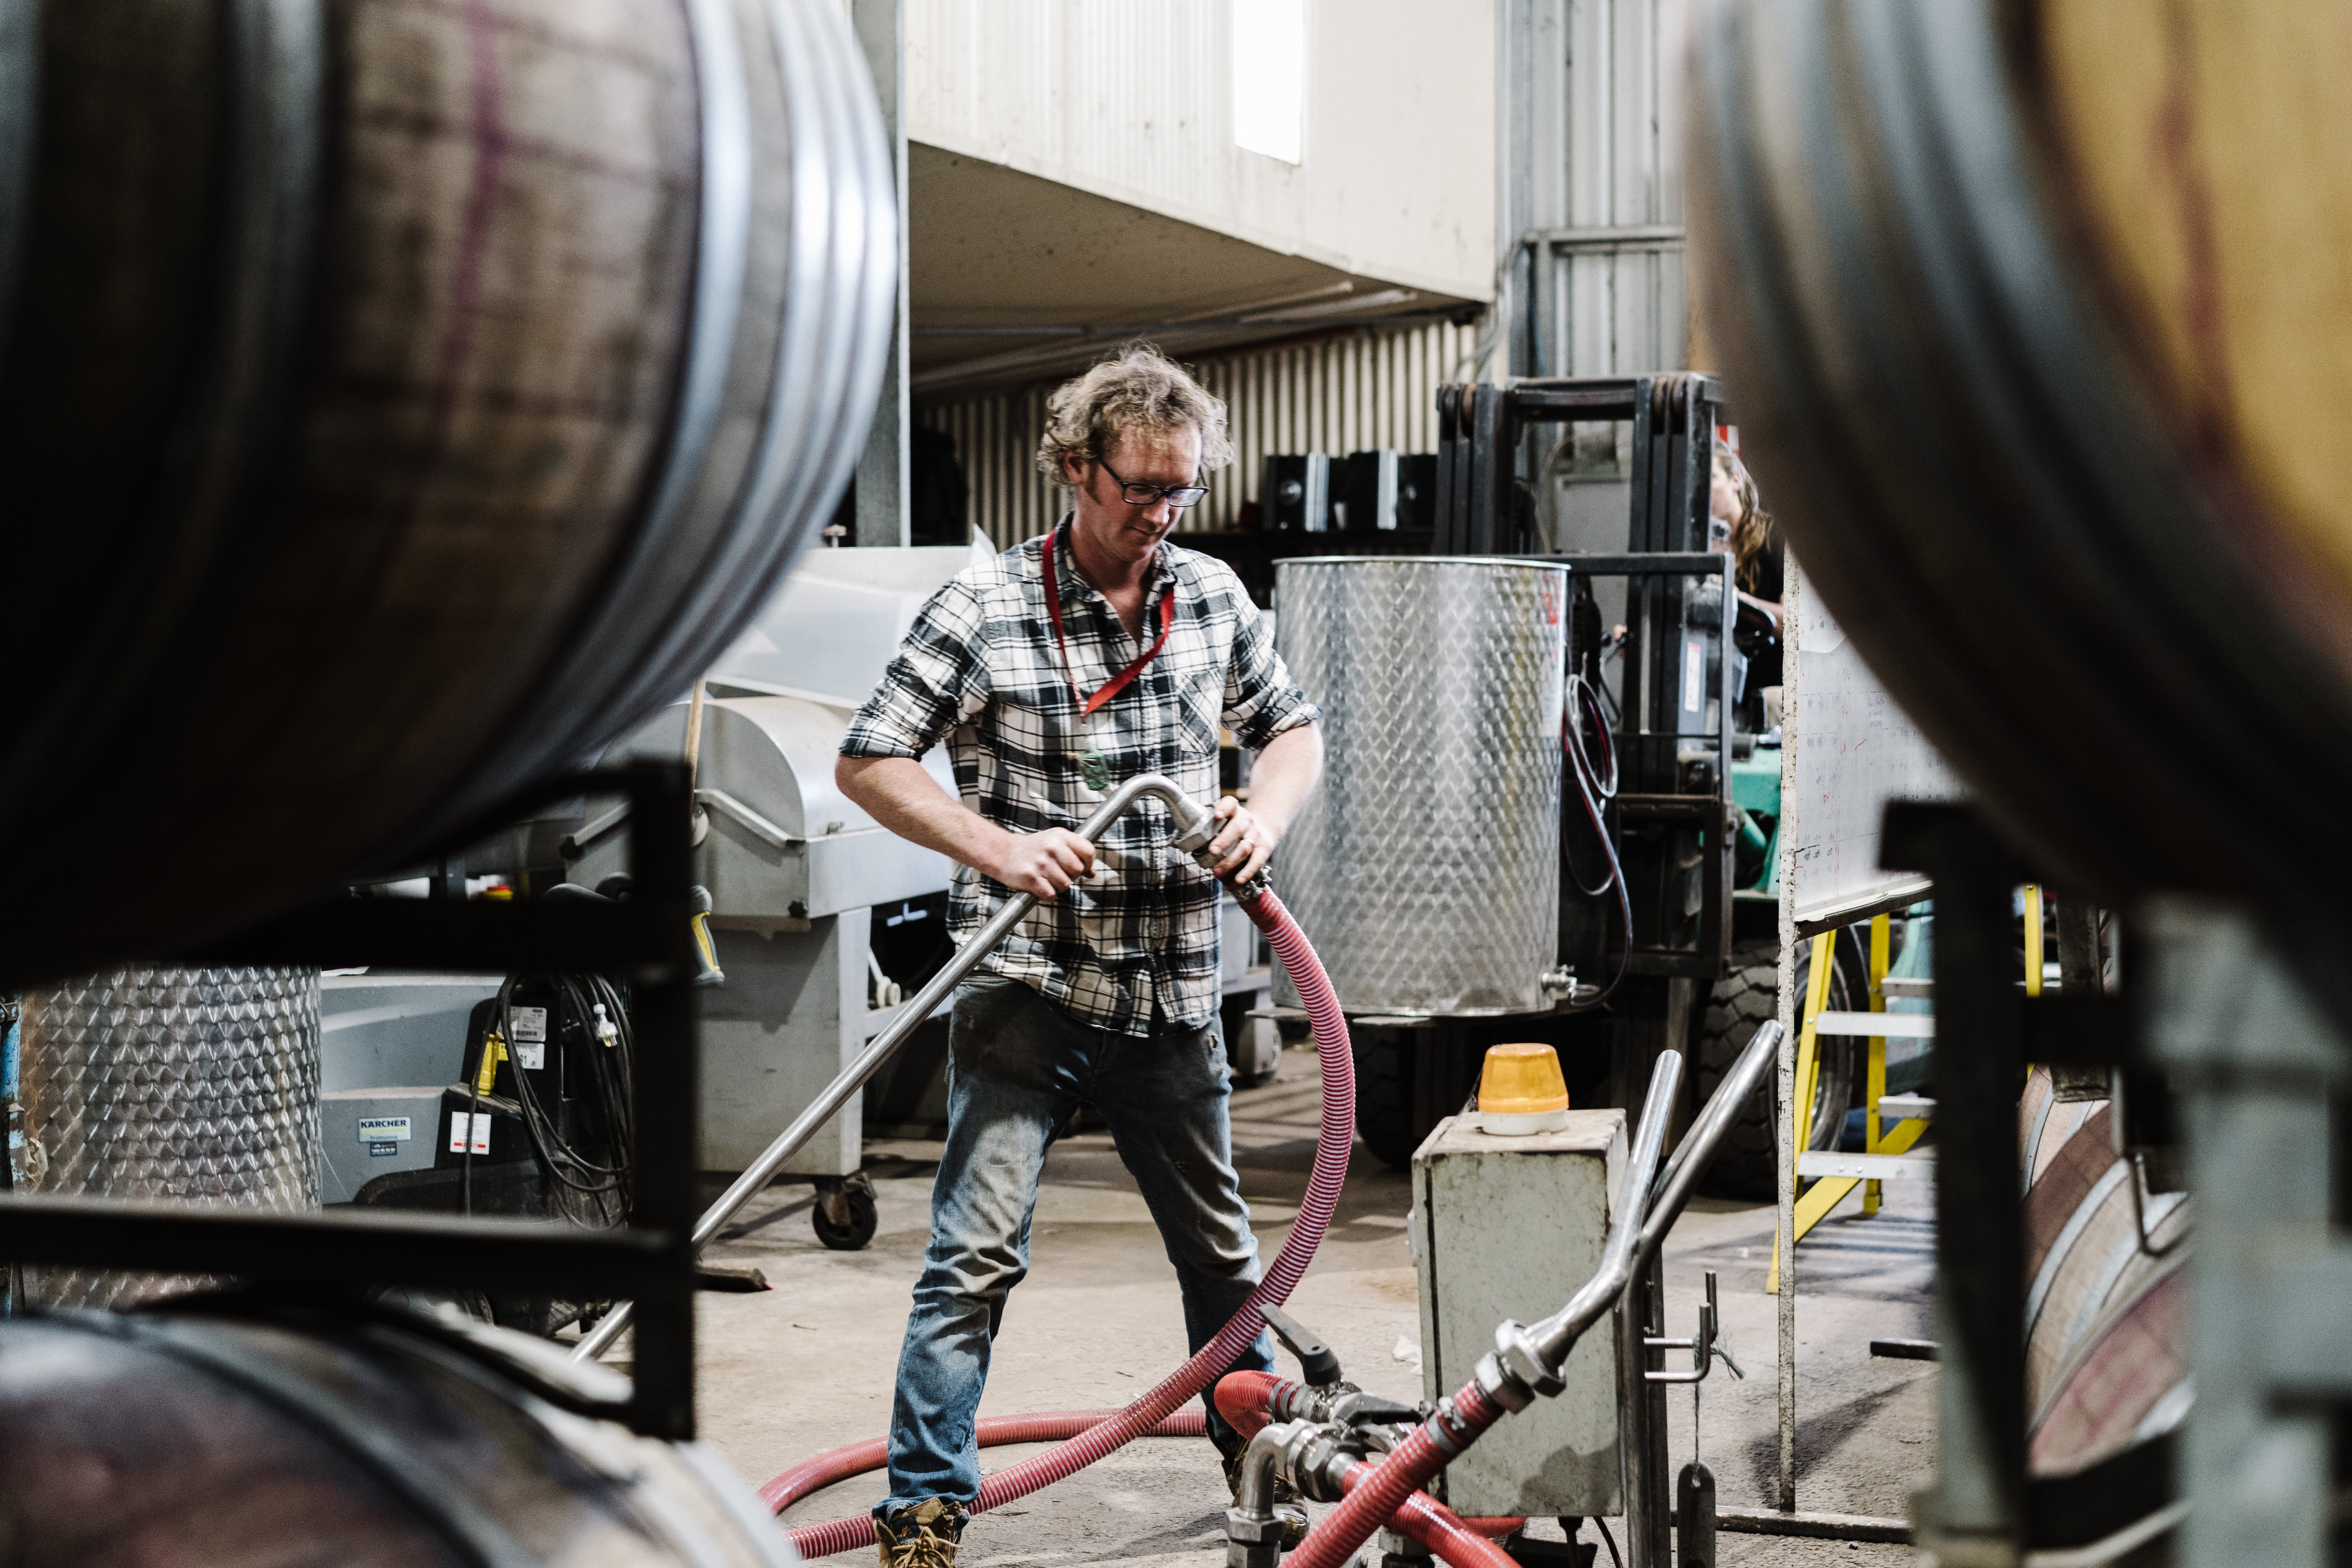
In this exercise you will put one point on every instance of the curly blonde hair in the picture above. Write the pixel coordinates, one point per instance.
(1753, 532)
(1139, 388)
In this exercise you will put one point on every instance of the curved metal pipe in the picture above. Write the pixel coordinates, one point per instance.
(1637, 1230)
(1253, 1530)
(1194, 827)
(1557, 1335)
(1681, 1176)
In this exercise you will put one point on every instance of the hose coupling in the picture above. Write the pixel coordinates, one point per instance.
(1446, 1427)
(1294, 1401)
(1251, 1542)
(1194, 836)
(1316, 1458)
(1195, 839)
(1520, 1360)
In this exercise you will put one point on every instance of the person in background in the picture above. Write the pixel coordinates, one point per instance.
(1740, 527)
(1054, 671)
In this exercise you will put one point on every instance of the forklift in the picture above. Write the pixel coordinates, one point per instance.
(1682, 951)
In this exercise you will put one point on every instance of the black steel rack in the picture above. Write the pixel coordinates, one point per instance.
(650, 1261)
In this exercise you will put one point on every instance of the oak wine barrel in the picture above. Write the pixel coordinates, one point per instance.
(2037, 319)
(399, 400)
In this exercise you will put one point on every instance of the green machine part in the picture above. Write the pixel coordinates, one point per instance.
(1756, 800)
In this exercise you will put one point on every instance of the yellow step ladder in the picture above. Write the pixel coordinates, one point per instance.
(1885, 1150)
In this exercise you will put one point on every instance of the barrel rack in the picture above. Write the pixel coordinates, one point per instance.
(649, 1261)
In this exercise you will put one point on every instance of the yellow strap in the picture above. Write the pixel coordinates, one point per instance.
(494, 1051)
(2032, 939)
(1809, 1062)
(701, 926)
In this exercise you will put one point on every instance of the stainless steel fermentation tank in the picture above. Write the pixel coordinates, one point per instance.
(196, 1086)
(1426, 867)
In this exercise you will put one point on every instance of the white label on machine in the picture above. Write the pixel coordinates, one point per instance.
(1694, 675)
(530, 1043)
(383, 1129)
(479, 1129)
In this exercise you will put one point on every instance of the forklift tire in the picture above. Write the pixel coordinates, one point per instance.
(1384, 1094)
(864, 1216)
(1746, 1165)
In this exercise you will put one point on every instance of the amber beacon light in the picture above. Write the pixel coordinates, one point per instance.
(1521, 1091)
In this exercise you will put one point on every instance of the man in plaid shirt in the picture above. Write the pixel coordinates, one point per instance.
(1107, 993)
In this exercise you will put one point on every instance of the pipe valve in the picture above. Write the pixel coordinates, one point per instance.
(1317, 1362)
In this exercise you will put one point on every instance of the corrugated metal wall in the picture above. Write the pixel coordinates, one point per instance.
(1350, 391)
(1622, 308)
(1609, 290)
(1593, 188)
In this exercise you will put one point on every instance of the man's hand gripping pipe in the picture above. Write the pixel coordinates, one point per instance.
(1526, 1361)
(1195, 827)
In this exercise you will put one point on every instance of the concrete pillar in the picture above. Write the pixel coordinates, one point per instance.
(884, 508)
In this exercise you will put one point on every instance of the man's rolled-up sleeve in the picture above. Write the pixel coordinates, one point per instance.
(937, 681)
(1261, 699)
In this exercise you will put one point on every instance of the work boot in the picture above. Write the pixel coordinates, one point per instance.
(922, 1535)
(1286, 1505)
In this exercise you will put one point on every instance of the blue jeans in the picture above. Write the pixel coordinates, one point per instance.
(1017, 1067)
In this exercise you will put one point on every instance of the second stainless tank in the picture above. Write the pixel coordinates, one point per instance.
(194, 1086)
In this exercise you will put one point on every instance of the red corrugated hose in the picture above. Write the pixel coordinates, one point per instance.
(813, 1476)
(1458, 1541)
(1297, 957)
(1248, 1400)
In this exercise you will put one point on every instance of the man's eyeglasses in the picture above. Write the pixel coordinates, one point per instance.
(1136, 493)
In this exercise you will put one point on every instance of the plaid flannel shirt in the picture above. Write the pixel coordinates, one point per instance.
(980, 667)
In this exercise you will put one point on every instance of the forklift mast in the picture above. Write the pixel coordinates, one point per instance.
(1676, 680)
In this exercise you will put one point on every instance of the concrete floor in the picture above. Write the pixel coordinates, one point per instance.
(808, 1365)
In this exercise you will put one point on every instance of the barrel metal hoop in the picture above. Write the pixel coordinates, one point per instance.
(846, 246)
(821, 383)
(477, 1538)
(721, 246)
(20, 100)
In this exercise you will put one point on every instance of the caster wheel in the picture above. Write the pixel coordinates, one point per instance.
(853, 1202)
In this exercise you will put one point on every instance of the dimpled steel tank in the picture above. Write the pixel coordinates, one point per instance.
(1425, 869)
(183, 1085)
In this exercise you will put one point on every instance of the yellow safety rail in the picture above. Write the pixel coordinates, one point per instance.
(1815, 1203)
(2032, 939)
(1873, 1088)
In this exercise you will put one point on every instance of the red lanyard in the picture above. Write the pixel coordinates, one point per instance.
(1117, 683)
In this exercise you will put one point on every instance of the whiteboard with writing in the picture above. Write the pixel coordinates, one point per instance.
(1846, 751)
